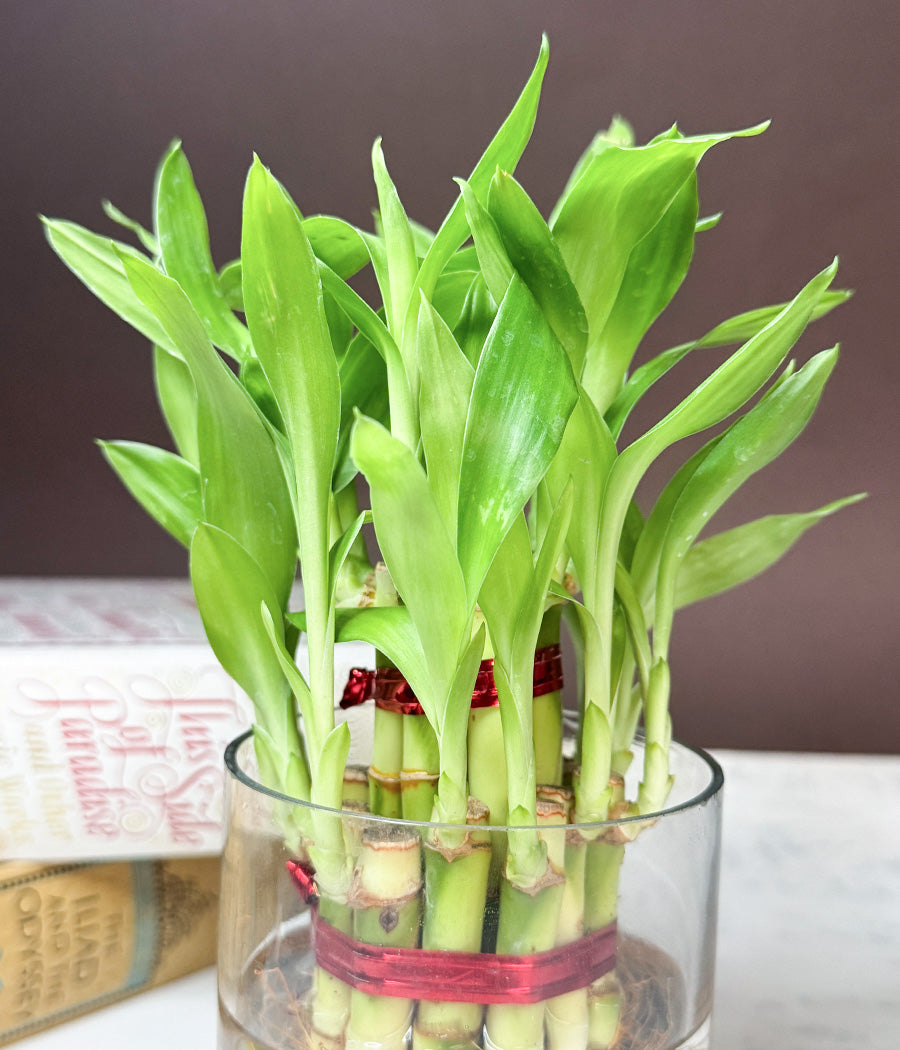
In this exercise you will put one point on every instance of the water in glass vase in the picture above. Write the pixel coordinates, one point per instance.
(276, 985)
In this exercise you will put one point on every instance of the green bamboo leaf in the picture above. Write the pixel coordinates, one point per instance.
(165, 485)
(361, 315)
(750, 444)
(284, 305)
(451, 802)
(444, 396)
(254, 381)
(341, 550)
(363, 387)
(736, 380)
(493, 259)
(619, 133)
(286, 773)
(534, 599)
(422, 236)
(737, 555)
(338, 244)
(177, 400)
(184, 245)
(503, 591)
(504, 151)
(735, 330)
(645, 560)
(313, 728)
(731, 385)
(242, 483)
(415, 545)
(478, 314)
(450, 294)
(617, 201)
(400, 251)
(633, 614)
(744, 326)
(97, 262)
(327, 786)
(655, 269)
(231, 277)
(340, 330)
(464, 259)
(522, 396)
(535, 255)
(146, 238)
(632, 528)
(708, 222)
(230, 587)
(586, 455)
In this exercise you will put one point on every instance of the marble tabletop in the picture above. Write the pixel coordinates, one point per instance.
(809, 920)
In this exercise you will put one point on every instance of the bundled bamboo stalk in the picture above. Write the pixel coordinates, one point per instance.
(386, 904)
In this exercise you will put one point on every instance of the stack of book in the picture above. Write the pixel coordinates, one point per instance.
(114, 715)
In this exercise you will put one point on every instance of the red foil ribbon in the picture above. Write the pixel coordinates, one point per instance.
(455, 977)
(391, 691)
(464, 977)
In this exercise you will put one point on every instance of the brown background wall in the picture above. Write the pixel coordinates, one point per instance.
(91, 93)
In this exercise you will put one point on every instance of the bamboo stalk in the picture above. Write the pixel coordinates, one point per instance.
(387, 763)
(456, 880)
(547, 732)
(356, 786)
(332, 845)
(386, 910)
(330, 1001)
(529, 915)
(420, 771)
(566, 1018)
(601, 907)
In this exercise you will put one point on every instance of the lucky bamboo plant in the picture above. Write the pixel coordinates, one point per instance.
(483, 400)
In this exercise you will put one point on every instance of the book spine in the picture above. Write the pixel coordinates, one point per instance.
(74, 937)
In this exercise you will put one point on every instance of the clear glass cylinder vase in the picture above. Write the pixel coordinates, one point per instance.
(344, 931)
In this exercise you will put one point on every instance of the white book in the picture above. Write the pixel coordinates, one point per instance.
(114, 715)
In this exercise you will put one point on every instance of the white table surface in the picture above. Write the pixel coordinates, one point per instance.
(809, 921)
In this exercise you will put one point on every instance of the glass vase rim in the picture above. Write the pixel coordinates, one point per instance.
(708, 792)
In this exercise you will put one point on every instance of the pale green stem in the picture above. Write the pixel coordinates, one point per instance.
(387, 887)
(387, 762)
(528, 923)
(421, 768)
(456, 882)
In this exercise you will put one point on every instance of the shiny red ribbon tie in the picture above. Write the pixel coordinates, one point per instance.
(458, 977)
(391, 691)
